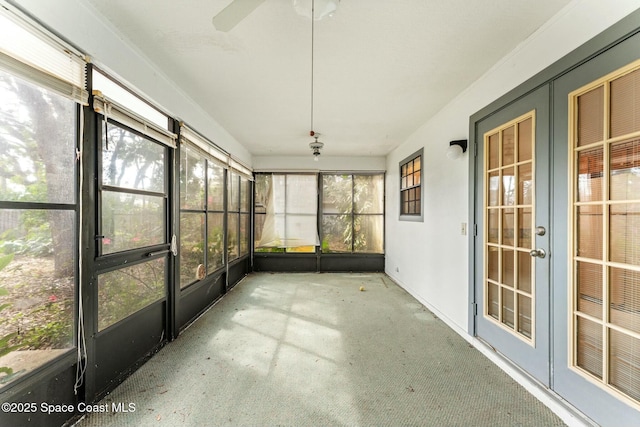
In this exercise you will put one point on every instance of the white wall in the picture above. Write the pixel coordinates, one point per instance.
(430, 259)
(74, 20)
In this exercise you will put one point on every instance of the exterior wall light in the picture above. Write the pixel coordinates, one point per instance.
(457, 148)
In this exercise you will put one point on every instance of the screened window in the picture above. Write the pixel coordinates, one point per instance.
(132, 209)
(123, 292)
(238, 216)
(353, 213)
(411, 187)
(37, 225)
(201, 215)
(286, 208)
(215, 216)
(133, 191)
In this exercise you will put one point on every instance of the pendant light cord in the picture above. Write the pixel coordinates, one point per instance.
(313, 13)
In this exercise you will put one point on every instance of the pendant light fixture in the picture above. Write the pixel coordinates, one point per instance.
(319, 10)
(328, 7)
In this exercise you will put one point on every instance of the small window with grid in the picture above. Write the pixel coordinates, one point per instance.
(411, 187)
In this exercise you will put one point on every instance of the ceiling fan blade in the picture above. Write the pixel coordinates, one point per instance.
(235, 12)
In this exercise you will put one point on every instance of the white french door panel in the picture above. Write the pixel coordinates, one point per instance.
(499, 326)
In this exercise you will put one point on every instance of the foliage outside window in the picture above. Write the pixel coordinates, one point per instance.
(238, 216)
(411, 186)
(123, 292)
(133, 191)
(37, 226)
(353, 213)
(201, 215)
(132, 216)
(286, 213)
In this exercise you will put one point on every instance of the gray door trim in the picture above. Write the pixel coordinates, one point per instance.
(532, 358)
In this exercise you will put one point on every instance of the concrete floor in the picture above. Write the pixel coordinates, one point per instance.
(313, 349)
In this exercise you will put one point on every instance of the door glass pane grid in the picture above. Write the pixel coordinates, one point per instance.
(508, 226)
(606, 220)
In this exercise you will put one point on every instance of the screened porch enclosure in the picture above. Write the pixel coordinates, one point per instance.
(326, 221)
(120, 225)
(153, 204)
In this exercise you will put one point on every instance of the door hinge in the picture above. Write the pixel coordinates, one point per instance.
(474, 306)
(475, 229)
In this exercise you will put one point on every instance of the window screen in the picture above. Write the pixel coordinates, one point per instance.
(286, 212)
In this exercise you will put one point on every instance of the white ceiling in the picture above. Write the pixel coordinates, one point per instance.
(382, 67)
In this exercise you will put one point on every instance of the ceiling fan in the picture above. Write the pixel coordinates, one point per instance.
(237, 10)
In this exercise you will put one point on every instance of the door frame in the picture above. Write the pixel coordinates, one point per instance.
(533, 355)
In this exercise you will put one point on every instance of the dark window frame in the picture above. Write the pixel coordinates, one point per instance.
(240, 212)
(34, 374)
(353, 214)
(415, 189)
(205, 210)
(122, 259)
(256, 214)
(102, 188)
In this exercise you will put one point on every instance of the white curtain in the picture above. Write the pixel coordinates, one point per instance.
(376, 235)
(291, 212)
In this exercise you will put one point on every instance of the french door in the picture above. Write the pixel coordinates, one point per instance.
(512, 211)
(596, 310)
(557, 208)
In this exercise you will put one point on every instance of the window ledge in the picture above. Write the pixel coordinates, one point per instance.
(411, 218)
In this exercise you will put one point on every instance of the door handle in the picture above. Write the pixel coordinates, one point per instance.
(540, 253)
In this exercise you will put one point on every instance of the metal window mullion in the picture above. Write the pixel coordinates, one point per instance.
(238, 215)
(206, 216)
(353, 216)
(320, 216)
(36, 206)
(114, 189)
(410, 187)
(225, 226)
